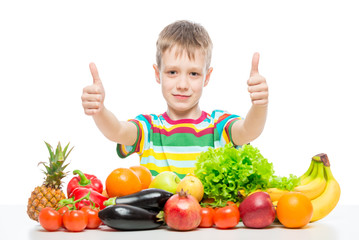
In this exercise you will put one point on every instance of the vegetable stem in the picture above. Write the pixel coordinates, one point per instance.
(84, 181)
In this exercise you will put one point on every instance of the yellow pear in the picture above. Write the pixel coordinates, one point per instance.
(192, 185)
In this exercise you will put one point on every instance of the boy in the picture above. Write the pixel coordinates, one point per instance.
(172, 141)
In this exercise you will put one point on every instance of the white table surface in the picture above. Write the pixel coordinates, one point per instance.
(342, 223)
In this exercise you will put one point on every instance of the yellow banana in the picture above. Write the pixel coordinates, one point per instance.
(305, 178)
(316, 186)
(313, 174)
(312, 183)
(321, 187)
(312, 171)
(327, 201)
(275, 193)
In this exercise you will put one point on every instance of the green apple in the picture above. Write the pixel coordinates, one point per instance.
(166, 181)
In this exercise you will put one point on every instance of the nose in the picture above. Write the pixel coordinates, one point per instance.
(182, 83)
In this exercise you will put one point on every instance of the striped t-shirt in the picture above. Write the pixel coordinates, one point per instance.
(173, 145)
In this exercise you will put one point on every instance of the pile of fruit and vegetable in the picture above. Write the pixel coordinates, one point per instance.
(229, 185)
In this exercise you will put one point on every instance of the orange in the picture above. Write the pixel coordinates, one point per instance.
(294, 210)
(144, 174)
(122, 182)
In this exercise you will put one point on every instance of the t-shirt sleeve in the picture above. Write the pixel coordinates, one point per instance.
(143, 124)
(224, 122)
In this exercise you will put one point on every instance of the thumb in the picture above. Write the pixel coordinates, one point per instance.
(255, 62)
(94, 73)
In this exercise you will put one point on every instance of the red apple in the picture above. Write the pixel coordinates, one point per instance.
(257, 210)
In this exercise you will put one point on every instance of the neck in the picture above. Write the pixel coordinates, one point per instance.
(178, 115)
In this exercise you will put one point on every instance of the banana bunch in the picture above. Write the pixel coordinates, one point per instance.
(318, 184)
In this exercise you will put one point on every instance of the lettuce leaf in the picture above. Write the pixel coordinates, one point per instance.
(226, 170)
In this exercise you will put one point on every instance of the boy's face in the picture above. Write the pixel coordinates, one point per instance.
(182, 80)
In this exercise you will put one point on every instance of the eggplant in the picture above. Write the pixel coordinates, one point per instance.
(127, 217)
(150, 199)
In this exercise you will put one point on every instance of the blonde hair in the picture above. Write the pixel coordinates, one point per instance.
(186, 36)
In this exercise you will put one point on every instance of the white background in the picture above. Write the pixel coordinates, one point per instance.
(309, 56)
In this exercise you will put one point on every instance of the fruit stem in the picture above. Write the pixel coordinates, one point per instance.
(110, 201)
(72, 202)
(182, 193)
(160, 216)
(84, 181)
(87, 197)
(65, 202)
(322, 157)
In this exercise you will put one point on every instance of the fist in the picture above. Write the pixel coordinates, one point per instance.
(257, 85)
(93, 95)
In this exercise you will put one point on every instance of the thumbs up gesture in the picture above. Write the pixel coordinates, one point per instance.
(257, 85)
(93, 95)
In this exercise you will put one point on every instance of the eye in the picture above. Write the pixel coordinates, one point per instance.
(171, 73)
(194, 74)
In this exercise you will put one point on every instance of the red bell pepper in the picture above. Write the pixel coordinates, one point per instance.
(94, 198)
(84, 180)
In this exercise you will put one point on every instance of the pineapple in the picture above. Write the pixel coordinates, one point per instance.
(50, 193)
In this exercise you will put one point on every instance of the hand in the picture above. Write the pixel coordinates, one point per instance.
(93, 96)
(257, 85)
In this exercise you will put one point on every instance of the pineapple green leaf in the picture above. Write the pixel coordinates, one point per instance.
(65, 166)
(55, 166)
(65, 149)
(48, 169)
(58, 152)
(41, 163)
(68, 152)
(50, 150)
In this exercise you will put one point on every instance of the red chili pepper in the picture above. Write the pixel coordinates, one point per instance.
(84, 180)
(94, 198)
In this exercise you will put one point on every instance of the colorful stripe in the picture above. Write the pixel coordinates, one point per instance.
(188, 130)
(178, 170)
(174, 145)
(182, 156)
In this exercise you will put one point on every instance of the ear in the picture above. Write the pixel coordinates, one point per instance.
(208, 75)
(157, 73)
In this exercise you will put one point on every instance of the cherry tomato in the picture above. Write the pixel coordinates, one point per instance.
(50, 219)
(75, 220)
(207, 215)
(63, 210)
(92, 215)
(82, 204)
(226, 217)
(230, 203)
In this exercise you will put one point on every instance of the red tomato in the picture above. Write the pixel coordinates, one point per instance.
(50, 219)
(75, 220)
(226, 217)
(63, 210)
(230, 203)
(92, 215)
(82, 204)
(207, 217)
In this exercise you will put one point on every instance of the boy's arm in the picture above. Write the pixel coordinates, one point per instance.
(122, 132)
(93, 97)
(245, 131)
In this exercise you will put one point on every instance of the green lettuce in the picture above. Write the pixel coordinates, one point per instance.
(226, 170)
